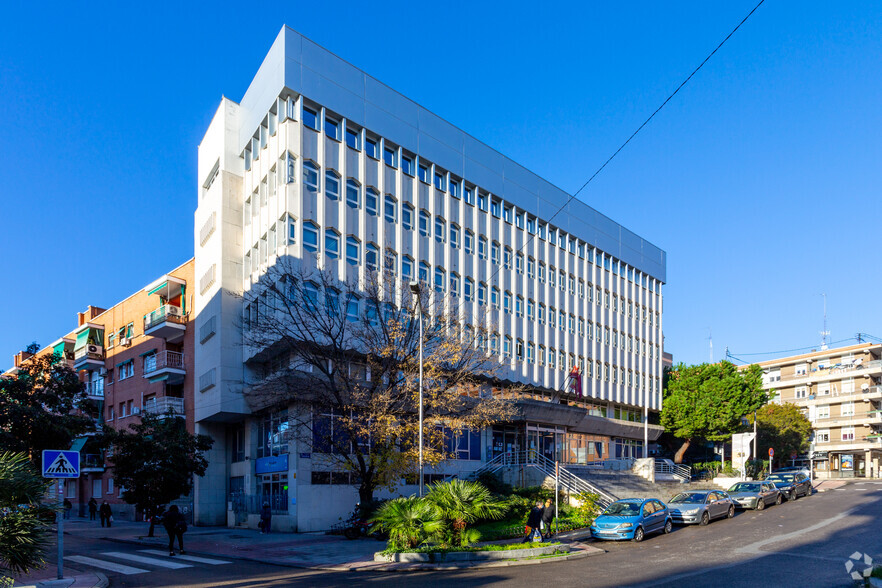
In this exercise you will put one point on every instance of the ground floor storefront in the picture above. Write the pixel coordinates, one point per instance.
(846, 463)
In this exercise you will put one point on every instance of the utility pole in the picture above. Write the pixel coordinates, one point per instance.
(825, 333)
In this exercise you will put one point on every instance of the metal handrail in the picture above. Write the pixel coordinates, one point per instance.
(164, 313)
(679, 471)
(165, 359)
(532, 458)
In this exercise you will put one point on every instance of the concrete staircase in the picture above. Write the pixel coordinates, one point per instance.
(625, 484)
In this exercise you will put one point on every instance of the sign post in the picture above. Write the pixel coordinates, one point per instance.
(60, 465)
(771, 455)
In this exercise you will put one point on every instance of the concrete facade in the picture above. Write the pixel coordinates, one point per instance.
(324, 164)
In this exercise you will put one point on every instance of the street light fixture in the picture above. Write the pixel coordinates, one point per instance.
(415, 289)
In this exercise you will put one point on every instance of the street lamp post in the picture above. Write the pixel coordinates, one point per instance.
(415, 288)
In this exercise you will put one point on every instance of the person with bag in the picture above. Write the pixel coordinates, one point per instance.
(547, 518)
(93, 508)
(266, 518)
(175, 526)
(105, 514)
(534, 520)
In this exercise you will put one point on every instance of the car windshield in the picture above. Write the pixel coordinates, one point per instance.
(745, 487)
(786, 478)
(688, 497)
(623, 509)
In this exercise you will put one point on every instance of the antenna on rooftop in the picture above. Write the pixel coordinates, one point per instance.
(710, 340)
(825, 333)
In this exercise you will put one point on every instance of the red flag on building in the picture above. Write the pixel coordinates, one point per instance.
(575, 386)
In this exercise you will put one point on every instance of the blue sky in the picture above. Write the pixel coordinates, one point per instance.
(760, 179)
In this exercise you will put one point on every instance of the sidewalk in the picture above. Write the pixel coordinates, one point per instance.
(300, 550)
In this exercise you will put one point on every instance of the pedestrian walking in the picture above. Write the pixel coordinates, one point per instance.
(175, 526)
(67, 508)
(534, 521)
(547, 519)
(266, 518)
(105, 514)
(93, 508)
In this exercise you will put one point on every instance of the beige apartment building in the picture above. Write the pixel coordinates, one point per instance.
(840, 391)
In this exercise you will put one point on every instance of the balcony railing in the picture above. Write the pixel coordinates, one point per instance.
(164, 314)
(855, 366)
(165, 359)
(89, 352)
(95, 389)
(92, 461)
(162, 406)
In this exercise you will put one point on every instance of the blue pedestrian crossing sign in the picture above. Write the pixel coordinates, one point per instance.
(61, 464)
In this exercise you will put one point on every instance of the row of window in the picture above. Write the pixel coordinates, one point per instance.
(335, 248)
(377, 148)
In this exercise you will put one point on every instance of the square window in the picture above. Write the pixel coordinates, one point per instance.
(332, 129)
(390, 156)
(353, 139)
(310, 118)
(371, 148)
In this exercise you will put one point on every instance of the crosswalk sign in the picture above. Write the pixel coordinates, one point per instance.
(61, 464)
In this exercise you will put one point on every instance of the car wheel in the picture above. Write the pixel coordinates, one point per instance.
(669, 526)
(760, 504)
(778, 499)
(794, 495)
(731, 511)
(705, 519)
(638, 535)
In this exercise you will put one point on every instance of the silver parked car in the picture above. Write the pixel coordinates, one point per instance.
(701, 507)
(756, 495)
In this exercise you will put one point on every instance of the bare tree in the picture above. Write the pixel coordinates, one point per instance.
(345, 358)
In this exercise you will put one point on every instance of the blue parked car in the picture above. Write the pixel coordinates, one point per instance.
(632, 518)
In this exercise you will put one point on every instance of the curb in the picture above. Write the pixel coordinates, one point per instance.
(578, 553)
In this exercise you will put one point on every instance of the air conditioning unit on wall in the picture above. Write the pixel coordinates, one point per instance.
(174, 311)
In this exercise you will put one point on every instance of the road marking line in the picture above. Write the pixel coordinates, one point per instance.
(106, 565)
(172, 565)
(205, 560)
(755, 547)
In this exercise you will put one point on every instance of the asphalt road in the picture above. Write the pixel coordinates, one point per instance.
(802, 543)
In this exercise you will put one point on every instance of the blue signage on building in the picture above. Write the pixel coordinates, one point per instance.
(273, 463)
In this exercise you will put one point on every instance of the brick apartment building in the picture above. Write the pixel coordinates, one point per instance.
(134, 358)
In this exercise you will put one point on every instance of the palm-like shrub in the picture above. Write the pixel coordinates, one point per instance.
(22, 530)
(409, 521)
(462, 503)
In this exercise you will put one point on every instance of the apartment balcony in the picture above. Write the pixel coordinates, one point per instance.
(95, 390)
(833, 372)
(91, 463)
(165, 366)
(164, 406)
(89, 357)
(168, 322)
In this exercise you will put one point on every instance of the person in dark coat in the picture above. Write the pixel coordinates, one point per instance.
(534, 520)
(175, 526)
(547, 518)
(68, 506)
(105, 514)
(266, 518)
(93, 508)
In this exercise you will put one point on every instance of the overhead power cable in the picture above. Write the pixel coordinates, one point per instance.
(530, 237)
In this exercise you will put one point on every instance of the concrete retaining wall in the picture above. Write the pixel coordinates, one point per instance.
(470, 555)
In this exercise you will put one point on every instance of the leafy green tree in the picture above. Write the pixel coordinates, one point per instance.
(708, 401)
(156, 460)
(39, 407)
(461, 503)
(409, 521)
(23, 532)
(784, 428)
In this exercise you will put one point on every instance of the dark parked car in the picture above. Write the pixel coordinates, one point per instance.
(791, 485)
(756, 495)
(701, 507)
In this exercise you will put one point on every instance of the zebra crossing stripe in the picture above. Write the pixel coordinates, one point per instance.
(106, 565)
(172, 565)
(193, 558)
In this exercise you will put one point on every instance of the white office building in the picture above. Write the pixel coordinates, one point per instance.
(321, 161)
